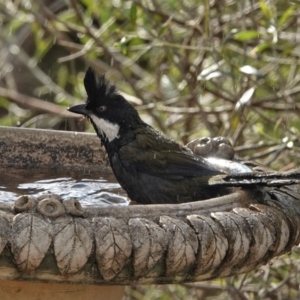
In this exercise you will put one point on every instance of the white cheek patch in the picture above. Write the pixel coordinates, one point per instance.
(109, 129)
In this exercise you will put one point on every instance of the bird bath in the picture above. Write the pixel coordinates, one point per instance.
(28, 156)
(52, 246)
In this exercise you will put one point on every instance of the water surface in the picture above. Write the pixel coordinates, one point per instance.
(90, 189)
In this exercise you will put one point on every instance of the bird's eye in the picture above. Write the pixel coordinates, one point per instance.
(101, 108)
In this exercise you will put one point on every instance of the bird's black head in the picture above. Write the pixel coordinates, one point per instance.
(110, 113)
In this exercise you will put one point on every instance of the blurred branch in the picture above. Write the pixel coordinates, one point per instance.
(35, 104)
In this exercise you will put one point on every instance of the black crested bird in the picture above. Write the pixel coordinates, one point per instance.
(151, 167)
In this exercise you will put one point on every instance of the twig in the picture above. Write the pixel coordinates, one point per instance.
(35, 104)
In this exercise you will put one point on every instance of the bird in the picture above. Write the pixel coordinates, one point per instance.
(150, 166)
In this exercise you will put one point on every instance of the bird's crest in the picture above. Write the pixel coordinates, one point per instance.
(98, 86)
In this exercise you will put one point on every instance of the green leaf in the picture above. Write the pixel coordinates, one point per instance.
(266, 10)
(286, 16)
(133, 14)
(14, 25)
(246, 35)
(261, 47)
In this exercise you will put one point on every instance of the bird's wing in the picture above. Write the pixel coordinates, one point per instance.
(172, 164)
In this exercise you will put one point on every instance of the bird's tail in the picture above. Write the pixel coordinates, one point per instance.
(257, 178)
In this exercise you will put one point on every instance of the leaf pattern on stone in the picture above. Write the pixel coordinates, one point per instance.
(263, 233)
(113, 246)
(238, 243)
(149, 243)
(213, 244)
(288, 203)
(30, 240)
(5, 229)
(182, 245)
(281, 224)
(73, 243)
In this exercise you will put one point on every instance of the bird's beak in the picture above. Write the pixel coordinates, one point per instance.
(79, 109)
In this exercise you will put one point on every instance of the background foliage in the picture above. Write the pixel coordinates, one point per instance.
(191, 67)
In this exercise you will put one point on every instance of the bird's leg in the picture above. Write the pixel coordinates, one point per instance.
(219, 147)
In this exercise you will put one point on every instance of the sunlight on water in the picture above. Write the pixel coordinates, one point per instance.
(102, 191)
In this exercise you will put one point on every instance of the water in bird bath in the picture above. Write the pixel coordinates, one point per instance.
(89, 189)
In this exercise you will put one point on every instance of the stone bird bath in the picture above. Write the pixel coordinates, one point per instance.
(52, 248)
